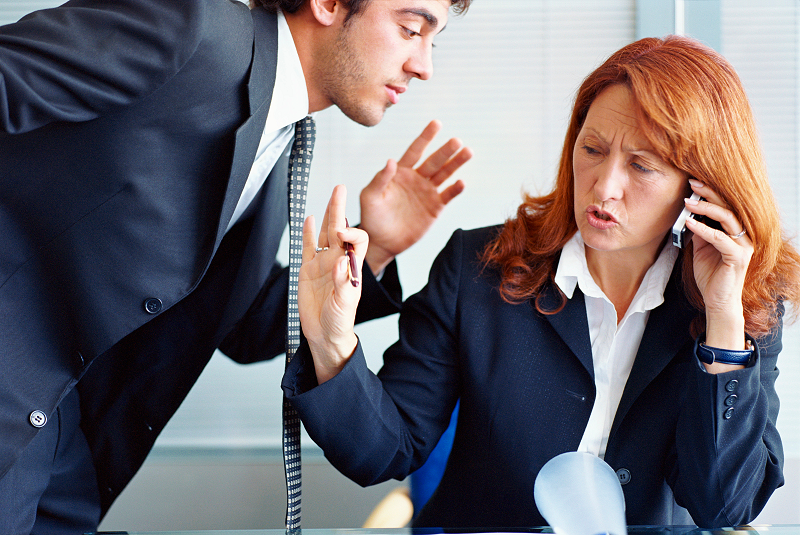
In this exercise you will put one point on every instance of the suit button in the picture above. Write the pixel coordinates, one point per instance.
(731, 386)
(624, 476)
(730, 400)
(728, 414)
(153, 305)
(37, 419)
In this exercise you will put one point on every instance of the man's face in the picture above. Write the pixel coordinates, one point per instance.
(377, 53)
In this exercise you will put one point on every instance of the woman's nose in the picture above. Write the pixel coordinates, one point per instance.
(610, 182)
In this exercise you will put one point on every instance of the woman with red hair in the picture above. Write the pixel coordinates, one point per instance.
(578, 325)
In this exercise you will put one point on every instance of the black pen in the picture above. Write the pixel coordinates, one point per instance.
(350, 251)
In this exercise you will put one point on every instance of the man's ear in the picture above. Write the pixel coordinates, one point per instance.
(326, 11)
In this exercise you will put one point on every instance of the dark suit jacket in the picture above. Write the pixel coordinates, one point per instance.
(128, 130)
(525, 381)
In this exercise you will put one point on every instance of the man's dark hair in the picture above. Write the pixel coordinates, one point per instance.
(354, 7)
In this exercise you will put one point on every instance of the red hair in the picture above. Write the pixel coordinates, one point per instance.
(694, 111)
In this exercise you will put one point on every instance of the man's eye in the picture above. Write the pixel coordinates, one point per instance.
(410, 32)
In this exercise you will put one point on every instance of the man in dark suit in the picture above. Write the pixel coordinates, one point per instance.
(143, 195)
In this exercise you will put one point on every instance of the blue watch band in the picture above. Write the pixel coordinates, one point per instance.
(710, 355)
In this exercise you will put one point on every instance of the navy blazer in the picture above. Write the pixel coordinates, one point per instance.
(681, 438)
(127, 132)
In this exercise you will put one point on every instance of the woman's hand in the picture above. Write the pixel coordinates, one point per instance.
(721, 258)
(327, 298)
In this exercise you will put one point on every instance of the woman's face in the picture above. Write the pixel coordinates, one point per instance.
(626, 197)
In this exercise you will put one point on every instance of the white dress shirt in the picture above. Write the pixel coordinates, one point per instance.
(289, 104)
(614, 346)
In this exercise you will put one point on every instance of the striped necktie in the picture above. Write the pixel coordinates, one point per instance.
(299, 165)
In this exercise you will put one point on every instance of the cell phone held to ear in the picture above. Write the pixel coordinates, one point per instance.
(680, 236)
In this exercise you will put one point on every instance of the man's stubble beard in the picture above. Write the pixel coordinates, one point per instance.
(342, 75)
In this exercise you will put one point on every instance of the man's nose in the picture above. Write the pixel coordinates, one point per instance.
(420, 65)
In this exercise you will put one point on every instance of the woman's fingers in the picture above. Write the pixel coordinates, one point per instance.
(732, 233)
(309, 239)
(337, 219)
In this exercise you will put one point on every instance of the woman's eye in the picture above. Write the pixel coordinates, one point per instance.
(590, 150)
(640, 167)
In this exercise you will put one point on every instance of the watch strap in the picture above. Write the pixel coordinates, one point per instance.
(710, 355)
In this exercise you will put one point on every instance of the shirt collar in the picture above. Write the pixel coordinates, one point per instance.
(290, 94)
(573, 271)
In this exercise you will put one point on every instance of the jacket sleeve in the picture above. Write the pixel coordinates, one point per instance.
(88, 57)
(728, 453)
(261, 333)
(377, 427)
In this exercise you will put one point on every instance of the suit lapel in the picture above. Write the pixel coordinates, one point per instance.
(571, 324)
(259, 89)
(258, 257)
(665, 334)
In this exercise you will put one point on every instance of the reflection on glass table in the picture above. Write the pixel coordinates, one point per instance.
(643, 530)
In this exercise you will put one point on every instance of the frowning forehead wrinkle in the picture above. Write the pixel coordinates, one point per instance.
(642, 146)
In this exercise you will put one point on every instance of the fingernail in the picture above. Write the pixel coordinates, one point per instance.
(696, 183)
(693, 202)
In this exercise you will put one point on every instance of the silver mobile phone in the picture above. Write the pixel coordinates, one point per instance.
(679, 233)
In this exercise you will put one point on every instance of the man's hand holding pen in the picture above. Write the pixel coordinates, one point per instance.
(330, 287)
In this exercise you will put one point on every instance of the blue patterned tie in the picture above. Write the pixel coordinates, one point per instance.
(299, 165)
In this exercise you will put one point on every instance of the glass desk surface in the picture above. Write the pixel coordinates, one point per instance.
(644, 530)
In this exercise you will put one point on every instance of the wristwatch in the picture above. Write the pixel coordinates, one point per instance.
(710, 355)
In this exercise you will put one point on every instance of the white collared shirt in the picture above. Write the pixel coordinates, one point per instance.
(614, 346)
(289, 104)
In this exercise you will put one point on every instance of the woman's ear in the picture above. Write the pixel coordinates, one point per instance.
(326, 11)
